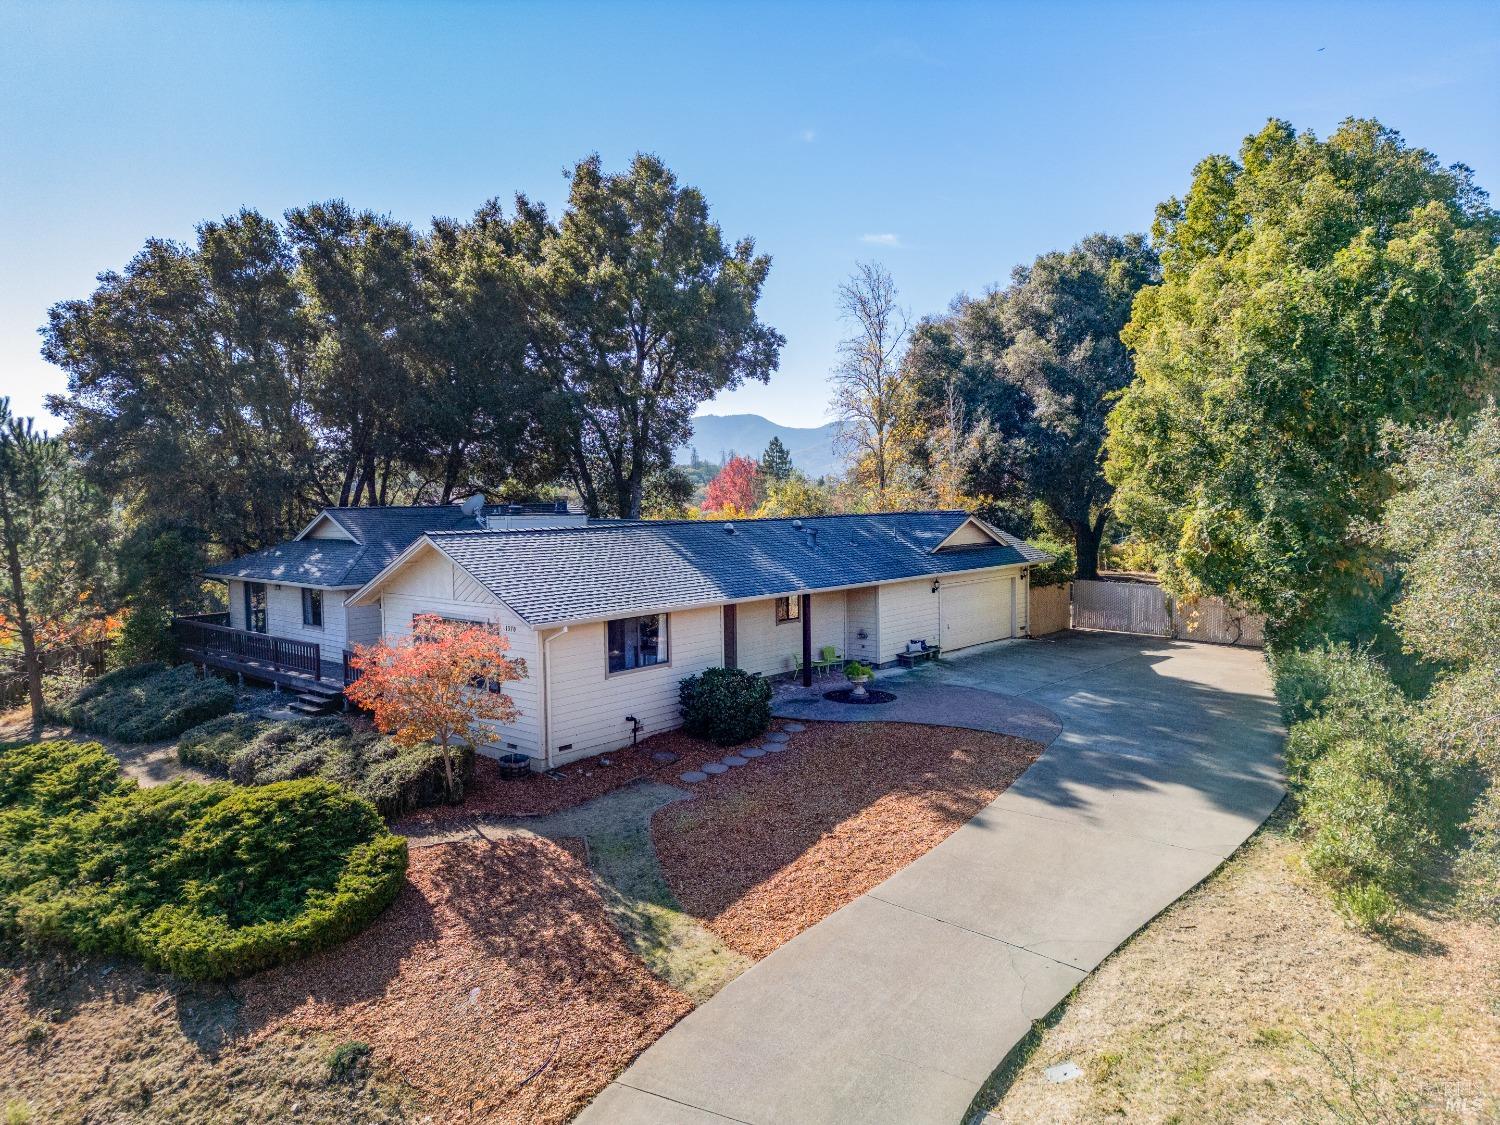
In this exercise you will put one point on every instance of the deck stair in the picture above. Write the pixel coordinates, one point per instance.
(317, 699)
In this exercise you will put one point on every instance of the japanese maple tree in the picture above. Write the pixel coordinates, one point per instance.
(438, 684)
(738, 486)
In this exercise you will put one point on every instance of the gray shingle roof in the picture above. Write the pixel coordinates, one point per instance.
(302, 562)
(604, 570)
(380, 534)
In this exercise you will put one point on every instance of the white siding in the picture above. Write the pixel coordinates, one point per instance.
(763, 646)
(969, 534)
(284, 618)
(588, 707)
(430, 583)
(325, 528)
(908, 610)
(362, 623)
(236, 604)
(862, 610)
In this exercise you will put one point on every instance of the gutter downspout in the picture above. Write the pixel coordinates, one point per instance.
(547, 697)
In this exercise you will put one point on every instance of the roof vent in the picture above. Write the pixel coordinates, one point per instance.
(797, 525)
(729, 529)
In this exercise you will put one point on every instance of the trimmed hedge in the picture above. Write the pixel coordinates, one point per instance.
(146, 702)
(206, 881)
(725, 705)
(258, 751)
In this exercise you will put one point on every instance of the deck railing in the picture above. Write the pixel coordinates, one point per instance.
(281, 654)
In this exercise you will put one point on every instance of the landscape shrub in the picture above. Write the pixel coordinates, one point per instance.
(1368, 795)
(145, 637)
(725, 705)
(206, 881)
(254, 750)
(1368, 905)
(1367, 808)
(145, 703)
(1336, 675)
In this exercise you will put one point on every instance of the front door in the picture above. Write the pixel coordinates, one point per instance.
(255, 607)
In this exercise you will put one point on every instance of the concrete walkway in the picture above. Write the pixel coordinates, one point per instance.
(898, 1007)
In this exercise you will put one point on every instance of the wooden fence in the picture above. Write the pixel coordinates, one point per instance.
(1050, 609)
(1142, 607)
(13, 687)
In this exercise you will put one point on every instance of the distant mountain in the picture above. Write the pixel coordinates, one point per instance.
(716, 436)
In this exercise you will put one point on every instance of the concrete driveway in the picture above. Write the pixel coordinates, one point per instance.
(899, 1006)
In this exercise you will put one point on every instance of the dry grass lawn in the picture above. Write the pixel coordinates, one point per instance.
(495, 987)
(1251, 1000)
(767, 850)
(89, 1041)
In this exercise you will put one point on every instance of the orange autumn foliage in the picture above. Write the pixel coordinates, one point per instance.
(432, 685)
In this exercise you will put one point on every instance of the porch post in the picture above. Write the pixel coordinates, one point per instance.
(806, 615)
(731, 637)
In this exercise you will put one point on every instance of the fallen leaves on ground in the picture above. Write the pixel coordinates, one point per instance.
(769, 849)
(495, 985)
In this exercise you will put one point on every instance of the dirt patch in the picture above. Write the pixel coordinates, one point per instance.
(495, 986)
(542, 794)
(1252, 1000)
(769, 849)
(84, 1040)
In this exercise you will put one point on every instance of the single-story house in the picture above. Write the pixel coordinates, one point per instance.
(611, 615)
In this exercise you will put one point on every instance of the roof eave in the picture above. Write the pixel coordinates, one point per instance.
(682, 607)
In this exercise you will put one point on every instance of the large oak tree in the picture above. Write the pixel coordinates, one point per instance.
(1019, 382)
(1312, 292)
(646, 313)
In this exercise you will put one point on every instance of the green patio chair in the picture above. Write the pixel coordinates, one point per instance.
(828, 658)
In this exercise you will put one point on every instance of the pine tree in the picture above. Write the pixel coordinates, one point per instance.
(776, 462)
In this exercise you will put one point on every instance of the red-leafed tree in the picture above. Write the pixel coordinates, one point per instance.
(437, 684)
(737, 486)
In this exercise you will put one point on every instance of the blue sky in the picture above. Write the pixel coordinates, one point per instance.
(947, 140)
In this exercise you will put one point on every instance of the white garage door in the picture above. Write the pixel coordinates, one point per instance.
(977, 611)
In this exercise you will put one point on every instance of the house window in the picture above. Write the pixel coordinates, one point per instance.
(637, 642)
(312, 607)
(255, 607)
(788, 609)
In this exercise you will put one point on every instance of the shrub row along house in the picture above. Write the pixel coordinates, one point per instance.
(610, 615)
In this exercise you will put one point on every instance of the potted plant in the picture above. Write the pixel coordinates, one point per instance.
(859, 675)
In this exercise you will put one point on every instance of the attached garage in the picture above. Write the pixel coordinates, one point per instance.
(975, 611)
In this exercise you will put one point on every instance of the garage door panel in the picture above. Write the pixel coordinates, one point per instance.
(976, 612)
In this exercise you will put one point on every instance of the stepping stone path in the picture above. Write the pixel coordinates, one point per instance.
(664, 756)
(777, 741)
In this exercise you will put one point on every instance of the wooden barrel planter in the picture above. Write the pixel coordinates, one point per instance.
(513, 767)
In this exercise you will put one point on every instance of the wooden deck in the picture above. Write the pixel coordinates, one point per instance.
(208, 640)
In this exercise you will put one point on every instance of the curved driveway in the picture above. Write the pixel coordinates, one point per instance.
(899, 1006)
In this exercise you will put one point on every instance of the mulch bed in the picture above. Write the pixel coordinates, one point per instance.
(495, 986)
(574, 784)
(770, 849)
